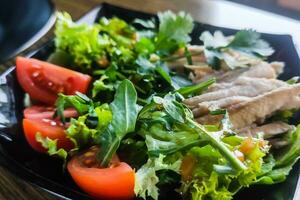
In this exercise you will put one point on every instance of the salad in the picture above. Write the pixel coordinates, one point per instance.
(134, 108)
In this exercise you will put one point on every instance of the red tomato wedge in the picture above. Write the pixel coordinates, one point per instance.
(43, 81)
(46, 112)
(52, 129)
(114, 182)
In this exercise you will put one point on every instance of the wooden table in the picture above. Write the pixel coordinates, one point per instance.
(210, 11)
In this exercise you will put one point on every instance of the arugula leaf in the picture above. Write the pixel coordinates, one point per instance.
(164, 74)
(196, 89)
(133, 152)
(125, 111)
(245, 44)
(146, 178)
(124, 108)
(165, 122)
(81, 134)
(172, 107)
(79, 101)
(51, 146)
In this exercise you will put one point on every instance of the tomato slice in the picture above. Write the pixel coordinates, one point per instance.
(43, 81)
(114, 182)
(46, 112)
(52, 129)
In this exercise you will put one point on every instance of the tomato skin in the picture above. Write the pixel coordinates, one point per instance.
(43, 81)
(46, 112)
(47, 128)
(114, 182)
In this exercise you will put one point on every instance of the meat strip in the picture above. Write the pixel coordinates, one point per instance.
(243, 86)
(261, 70)
(204, 107)
(270, 130)
(258, 108)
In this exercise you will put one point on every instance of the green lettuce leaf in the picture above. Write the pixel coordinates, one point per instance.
(100, 86)
(214, 178)
(51, 146)
(146, 179)
(281, 165)
(81, 41)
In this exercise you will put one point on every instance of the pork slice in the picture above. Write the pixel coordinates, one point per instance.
(204, 107)
(245, 81)
(261, 70)
(258, 108)
(270, 130)
(209, 119)
(278, 66)
(243, 86)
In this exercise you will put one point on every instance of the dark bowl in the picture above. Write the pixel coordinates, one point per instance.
(47, 173)
(22, 23)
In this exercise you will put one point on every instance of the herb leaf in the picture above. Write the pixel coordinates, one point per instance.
(79, 101)
(124, 108)
(125, 111)
(173, 30)
(249, 42)
(245, 43)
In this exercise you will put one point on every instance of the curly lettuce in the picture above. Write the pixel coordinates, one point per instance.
(146, 179)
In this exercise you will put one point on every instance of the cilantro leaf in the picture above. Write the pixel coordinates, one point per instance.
(240, 50)
(173, 31)
(250, 42)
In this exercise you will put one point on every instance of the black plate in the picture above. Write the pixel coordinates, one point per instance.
(22, 23)
(46, 172)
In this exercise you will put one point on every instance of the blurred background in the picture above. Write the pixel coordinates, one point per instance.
(289, 8)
